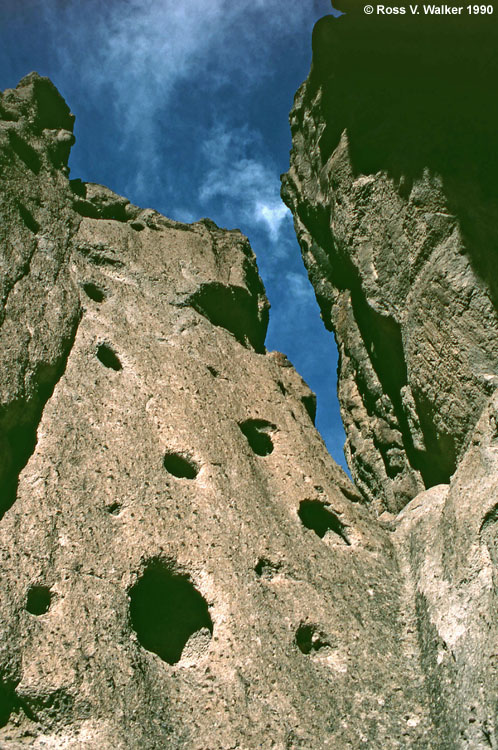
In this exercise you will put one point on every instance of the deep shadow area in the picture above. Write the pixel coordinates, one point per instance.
(180, 466)
(415, 92)
(235, 309)
(28, 219)
(8, 702)
(317, 517)
(265, 568)
(93, 291)
(309, 403)
(19, 422)
(166, 609)
(257, 434)
(38, 600)
(25, 152)
(308, 639)
(108, 357)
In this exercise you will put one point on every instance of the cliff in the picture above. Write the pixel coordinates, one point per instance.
(393, 192)
(183, 564)
(392, 187)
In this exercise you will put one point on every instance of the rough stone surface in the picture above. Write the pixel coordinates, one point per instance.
(183, 564)
(184, 567)
(448, 542)
(392, 186)
(393, 192)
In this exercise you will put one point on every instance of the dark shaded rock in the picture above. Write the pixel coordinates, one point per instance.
(392, 189)
(392, 186)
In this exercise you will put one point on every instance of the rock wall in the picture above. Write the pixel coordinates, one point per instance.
(392, 187)
(183, 564)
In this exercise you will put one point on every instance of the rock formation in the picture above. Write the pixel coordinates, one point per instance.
(183, 564)
(184, 567)
(393, 191)
(392, 187)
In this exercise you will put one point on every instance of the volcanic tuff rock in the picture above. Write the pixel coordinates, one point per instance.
(183, 564)
(392, 187)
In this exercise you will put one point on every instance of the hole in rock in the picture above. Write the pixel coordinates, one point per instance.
(166, 610)
(108, 358)
(138, 226)
(256, 432)
(114, 509)
(180, 466)
(38, 600)
(317, 517)
(92, 290)
(308, 639)
(28, 219)
(214, 372)
(283, 389)
(266, 569)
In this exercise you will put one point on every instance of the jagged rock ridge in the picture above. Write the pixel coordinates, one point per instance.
(183, 564)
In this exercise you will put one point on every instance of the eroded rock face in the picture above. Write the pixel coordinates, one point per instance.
(183, 564)
(447, 540)
(392, 189)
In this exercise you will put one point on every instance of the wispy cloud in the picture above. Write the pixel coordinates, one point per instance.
(140, 50)
(249, 186)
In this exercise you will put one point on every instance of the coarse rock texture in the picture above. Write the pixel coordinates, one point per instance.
(393, 189)
(183, 564)
(448, 545)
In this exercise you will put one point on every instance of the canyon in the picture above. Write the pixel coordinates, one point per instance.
(183, 563)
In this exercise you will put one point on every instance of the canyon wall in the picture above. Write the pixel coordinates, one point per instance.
(392, 188)
(183, 564)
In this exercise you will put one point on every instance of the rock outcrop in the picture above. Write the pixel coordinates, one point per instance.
(392, 187)
(183, 564)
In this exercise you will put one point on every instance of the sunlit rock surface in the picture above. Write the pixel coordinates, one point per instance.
(183, 564)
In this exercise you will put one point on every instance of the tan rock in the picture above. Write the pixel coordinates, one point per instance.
(183, 564)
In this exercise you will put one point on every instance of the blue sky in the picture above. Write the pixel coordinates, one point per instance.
(182, 106)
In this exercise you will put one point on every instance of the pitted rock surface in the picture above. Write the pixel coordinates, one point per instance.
(183, 564)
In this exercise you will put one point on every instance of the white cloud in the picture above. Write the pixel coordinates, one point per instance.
(272, 215)
(249, 186)
(139, 50)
